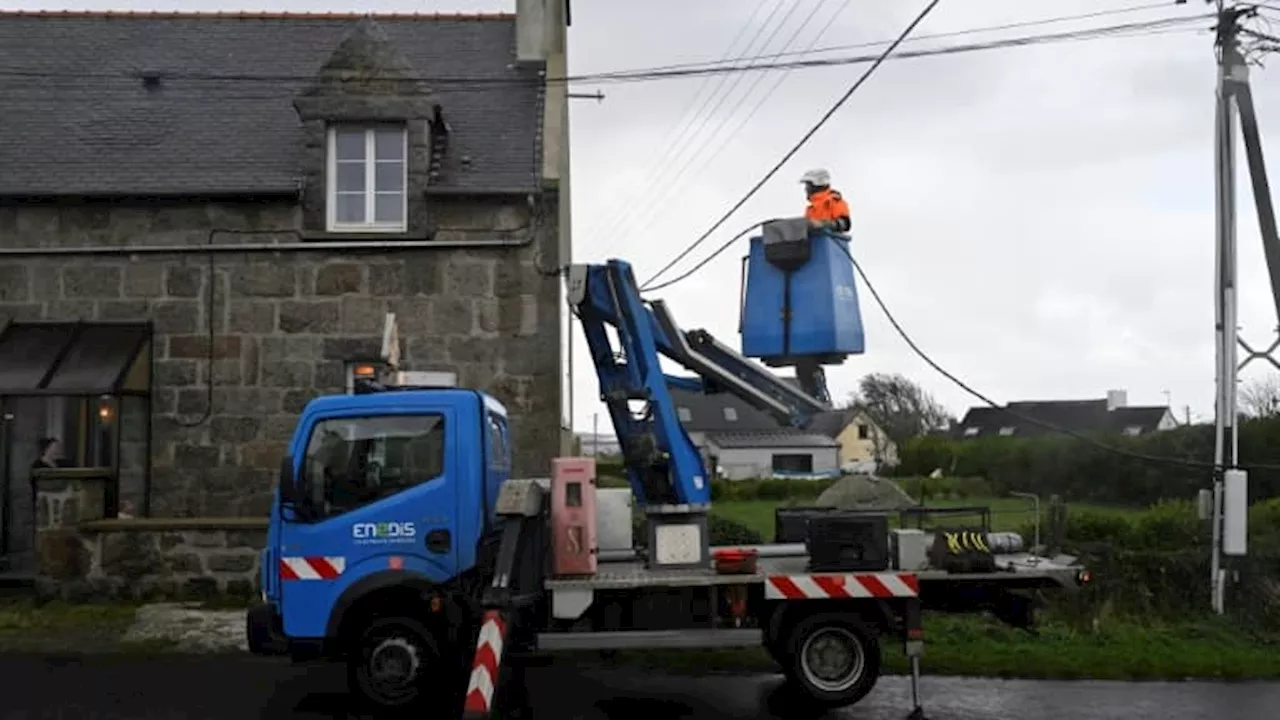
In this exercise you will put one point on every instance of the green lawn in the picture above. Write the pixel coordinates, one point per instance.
(1007, 514)
(979, 647)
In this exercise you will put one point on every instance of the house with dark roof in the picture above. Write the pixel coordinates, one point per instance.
(1111, 415)
(744, 442)
(205, 220)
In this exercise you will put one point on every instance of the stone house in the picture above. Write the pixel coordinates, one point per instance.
(205, 218)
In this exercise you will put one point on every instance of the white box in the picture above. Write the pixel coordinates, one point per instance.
(910, 549)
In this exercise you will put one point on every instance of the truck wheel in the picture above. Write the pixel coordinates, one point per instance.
(391, 662)
(834, 659)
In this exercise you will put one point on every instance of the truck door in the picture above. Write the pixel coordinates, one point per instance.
(379, 493)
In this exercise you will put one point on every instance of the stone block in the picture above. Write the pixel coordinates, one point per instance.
(486, 320)
(184, 563)
(129, 555)
(234, 428)
(199, 588)
(469, 276)
(62, 554)
(352, 348)
(231, 562)
(175, 373)
(197, 346)
(362, 315)
(71, 310)
(247, 400)
(184, 281)
(196, 457)
(287, 374)
(514, 277)
(279, 427)
(451, 315)
(294, 401)
(143, 279)
(255, 540)
(423, 275)
(313, 317)
(176, 316)
(252, 316)
(289, 348)
(330, 376)
(227, 372)
(386, 279)
(125, 310)
(15, 282)
(339, 279)
(192, 402)
(21, 312)
(262, 454)
(264, 280)
(92, 281)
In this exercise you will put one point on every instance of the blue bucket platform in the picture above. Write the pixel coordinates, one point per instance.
(800, 303)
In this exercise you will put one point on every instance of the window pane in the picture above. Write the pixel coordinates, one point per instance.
(350, 144)
(388, 207)
(350, 208)
(354, 461)
(389, 177)
(350, 177)
(389, 144)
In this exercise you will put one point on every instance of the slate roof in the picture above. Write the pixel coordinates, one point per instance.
(1082, 416)
(767, 439)
(75, 118)
(707, 415)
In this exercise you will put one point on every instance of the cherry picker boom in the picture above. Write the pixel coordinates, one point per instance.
(400, 546)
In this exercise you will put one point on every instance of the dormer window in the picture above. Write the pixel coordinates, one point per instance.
(731, 414)
(367, 178)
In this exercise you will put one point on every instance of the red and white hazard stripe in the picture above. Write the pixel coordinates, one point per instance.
(484, 671)
(311, 568)
(837, 587)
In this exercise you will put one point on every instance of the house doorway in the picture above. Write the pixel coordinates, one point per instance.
(87, 387)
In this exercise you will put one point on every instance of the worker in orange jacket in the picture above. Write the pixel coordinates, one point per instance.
(826, 210)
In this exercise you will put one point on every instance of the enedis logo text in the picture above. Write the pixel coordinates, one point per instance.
(383, 532)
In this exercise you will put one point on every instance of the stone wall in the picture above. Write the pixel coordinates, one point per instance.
(285, 323)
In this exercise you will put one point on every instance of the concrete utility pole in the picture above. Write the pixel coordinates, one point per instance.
(1229, 501)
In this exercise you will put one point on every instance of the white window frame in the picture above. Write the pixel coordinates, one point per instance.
(1008, 430)
(731, 414)
(971, 431)
(370, 176)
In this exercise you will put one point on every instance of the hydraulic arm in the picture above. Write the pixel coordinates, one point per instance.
(664, 466)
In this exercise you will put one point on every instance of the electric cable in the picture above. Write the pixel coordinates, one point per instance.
(680, 129)
(637, 75)
(803, 140)
(688, 273)
(650, 209)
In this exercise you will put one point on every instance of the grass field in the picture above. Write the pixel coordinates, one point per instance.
(1007, 514)
(979, 647)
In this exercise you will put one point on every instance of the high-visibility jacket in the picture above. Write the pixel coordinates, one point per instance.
(826, 205)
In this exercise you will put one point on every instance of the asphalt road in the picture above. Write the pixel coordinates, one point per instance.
(239, 688)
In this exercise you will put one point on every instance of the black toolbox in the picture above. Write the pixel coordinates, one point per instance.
(844, 541)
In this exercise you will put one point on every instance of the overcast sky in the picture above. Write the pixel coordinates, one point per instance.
(1040, 219)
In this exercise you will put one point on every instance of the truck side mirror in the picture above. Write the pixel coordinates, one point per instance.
(289, 491)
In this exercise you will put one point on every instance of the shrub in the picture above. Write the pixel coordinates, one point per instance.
(1082, 471)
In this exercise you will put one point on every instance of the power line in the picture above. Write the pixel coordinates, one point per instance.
(681, 128)
(803, 140)
(633, 204)
(637, 75)
(651, 207)
(934, 36)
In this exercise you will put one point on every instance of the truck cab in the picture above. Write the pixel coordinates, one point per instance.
(386, 498)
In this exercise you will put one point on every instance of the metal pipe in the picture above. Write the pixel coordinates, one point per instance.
(229, 249)
(1036, 498)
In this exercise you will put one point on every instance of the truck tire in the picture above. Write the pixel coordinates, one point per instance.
(834, 659)
(393, 665)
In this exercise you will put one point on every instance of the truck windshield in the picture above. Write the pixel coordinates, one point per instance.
(352, 462)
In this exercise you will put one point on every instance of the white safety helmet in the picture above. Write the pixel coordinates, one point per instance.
(817, 177)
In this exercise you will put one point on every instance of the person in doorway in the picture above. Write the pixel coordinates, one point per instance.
(827, 209)
(50, 455)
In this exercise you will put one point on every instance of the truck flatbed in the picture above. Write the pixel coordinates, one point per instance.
(627, 574)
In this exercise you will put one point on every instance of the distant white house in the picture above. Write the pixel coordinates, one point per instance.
(598, 444)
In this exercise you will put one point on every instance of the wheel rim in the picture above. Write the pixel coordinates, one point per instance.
(832, 659)
(392, 664)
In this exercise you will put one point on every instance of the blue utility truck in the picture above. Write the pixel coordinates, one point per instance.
(400, 546)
